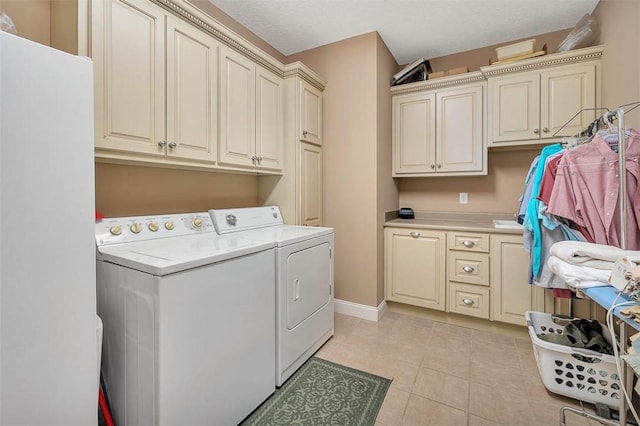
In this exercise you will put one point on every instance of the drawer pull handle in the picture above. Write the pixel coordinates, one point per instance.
(468, 269)
(468, 243)
(415, 234)
(467, 302)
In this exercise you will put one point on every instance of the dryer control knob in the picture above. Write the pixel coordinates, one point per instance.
(153, 226)
(169, 225)
(116, 230)
(135, 228)
(231, 219)
(197, 222)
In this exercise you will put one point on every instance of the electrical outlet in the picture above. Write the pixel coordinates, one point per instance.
(464, 198)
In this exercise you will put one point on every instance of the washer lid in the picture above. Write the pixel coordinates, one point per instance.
(169, 255)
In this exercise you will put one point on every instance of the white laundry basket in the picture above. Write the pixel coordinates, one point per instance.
(574, 372)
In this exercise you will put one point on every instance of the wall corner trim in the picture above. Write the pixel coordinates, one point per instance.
(370, 313)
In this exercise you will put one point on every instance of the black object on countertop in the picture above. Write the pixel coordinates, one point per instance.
(406, 213)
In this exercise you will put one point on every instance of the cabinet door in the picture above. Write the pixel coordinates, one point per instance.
(514, 108)
(128, 55)
(269, 119)
(192, 61)
(415, 267)
(511, 295)
(460, 137)
(414, 133)
(237, 109)
(563, 93)
(310, 126)
(310, 184)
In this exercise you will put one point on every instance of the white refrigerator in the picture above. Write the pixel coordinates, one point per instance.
(48, 351)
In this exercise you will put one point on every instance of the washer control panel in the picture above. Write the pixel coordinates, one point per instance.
(139, 228)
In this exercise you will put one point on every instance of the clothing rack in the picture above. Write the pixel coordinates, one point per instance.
(608, 118)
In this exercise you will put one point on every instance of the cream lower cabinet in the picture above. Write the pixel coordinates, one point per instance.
(439, 132)
(511, 295)
(486, 273)
(155, 85)
(533, 106)
(415, 267)
(251, 113)
(468, 273)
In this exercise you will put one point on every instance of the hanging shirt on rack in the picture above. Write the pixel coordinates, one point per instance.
(586, 190)
(531, 220)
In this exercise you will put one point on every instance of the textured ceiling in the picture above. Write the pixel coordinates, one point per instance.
(410, 28)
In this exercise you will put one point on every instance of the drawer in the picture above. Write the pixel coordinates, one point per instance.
(468, 241)
(469, 300)
(471, 268)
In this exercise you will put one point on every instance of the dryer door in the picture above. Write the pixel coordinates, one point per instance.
(308, 282)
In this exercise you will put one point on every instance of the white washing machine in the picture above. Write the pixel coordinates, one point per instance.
(189, 329)
(304, 280)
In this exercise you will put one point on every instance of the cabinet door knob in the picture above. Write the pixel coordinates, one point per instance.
(415, 234)
(305, 133)
(546, 130)
(468, 243)
(433, 166)
(253, 158)
(468, 269)
(467, 302)
(439, 165)
(172, 145)
(536, 131)
(162, 143)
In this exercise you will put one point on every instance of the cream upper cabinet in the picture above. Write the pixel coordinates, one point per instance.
(310, 119)
(298, 191)
(533, 106)
(414, 133)
(250, 113)
(415, 267)
(460, 146)
(310, 184)
(511, 295)
(192, 76)
(439, 132)
(155, 85)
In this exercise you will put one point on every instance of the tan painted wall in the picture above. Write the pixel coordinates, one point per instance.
(497, 192)
(31, 18)
(620, 34)
(134, 190)
(350, 160)
(387, 189)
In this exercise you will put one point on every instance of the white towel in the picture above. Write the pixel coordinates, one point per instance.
(578, 276)
(598, 256)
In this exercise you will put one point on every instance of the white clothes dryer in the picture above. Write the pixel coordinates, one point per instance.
(189, 329)
(304, 280)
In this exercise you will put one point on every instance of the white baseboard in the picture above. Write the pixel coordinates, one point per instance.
(357, 310)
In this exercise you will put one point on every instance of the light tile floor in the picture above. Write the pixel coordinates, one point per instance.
(448, 375)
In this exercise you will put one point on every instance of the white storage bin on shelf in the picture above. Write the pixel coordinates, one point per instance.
(574, 372)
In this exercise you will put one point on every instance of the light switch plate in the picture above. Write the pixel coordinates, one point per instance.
(464, 198)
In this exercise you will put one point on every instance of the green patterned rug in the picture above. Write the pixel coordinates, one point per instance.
(323, 393)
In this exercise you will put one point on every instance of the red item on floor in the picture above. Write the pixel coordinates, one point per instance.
(99, 216)
(563, 293)
(104, 409)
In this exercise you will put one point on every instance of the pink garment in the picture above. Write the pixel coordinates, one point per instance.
(549, 177)
(586, 190)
